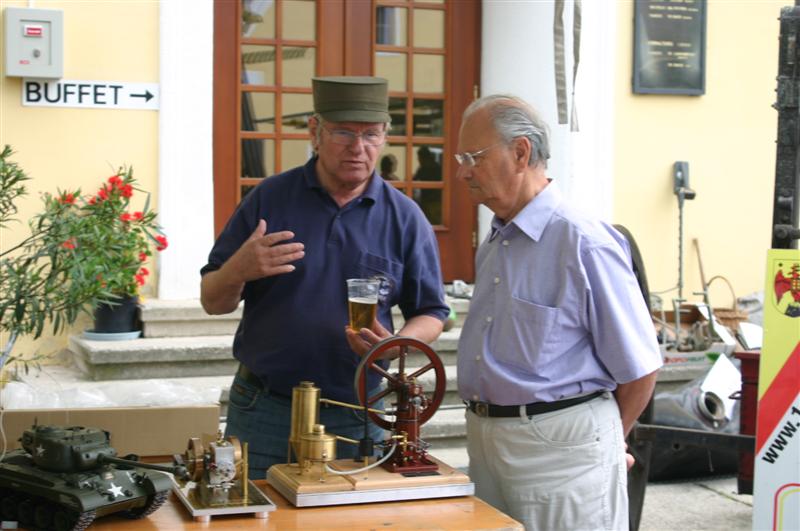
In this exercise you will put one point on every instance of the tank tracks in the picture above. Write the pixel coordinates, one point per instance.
(84, 520)
(153, 503)
(40, 514)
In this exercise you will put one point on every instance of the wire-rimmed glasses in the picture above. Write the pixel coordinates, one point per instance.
(468, 159)
(344, 137)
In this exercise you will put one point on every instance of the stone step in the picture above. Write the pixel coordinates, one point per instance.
(185, 318)
(458, 305)
(153, 357)
(207, 355)
(445, 424)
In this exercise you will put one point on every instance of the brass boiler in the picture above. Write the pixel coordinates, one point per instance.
(317, 446)
(307, 438)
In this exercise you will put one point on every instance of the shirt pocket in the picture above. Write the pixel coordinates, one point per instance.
(524, 336)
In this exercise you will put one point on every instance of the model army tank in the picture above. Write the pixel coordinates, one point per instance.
(64, 477)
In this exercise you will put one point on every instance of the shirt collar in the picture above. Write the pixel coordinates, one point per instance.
(534, 217)
(371, 192)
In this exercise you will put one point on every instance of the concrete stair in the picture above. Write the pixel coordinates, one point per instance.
(185, 318)
(163, 357)
(180, 339)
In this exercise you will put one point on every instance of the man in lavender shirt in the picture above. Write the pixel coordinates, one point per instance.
(558, 355)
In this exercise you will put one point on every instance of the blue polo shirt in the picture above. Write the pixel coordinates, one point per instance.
(293, 324)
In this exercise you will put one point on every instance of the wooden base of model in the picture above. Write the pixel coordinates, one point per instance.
(315, 486)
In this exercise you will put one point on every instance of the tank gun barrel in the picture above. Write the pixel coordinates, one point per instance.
(178, 470)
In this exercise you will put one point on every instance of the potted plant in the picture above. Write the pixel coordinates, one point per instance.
(122, 250)
(82, 252)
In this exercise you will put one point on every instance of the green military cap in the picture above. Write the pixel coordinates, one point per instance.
(351, 99)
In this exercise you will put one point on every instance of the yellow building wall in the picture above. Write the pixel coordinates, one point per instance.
(728, 137)
(68, 148)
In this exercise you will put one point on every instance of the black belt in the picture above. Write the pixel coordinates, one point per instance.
(484, 409)
(251, 378)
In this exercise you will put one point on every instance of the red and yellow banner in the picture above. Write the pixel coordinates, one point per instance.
(776, 489)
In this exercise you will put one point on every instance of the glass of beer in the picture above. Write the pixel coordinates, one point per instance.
(362, 301)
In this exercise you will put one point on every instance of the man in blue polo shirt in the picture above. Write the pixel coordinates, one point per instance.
(287, 251)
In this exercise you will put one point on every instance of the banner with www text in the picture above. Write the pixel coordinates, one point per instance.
(776, 487)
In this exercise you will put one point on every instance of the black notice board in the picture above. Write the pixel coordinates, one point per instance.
(669, 49)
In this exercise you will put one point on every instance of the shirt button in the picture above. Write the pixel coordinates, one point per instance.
(505, 243)
(497, 280)
(474, 398)
(489, 319)
(477, 358)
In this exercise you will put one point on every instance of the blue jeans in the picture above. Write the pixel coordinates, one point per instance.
(263, 420)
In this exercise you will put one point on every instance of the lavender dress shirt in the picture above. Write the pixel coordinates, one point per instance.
(556, 311)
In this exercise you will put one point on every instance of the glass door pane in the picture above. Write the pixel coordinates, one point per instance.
(278, 57)
(411, 53)
(265, 53)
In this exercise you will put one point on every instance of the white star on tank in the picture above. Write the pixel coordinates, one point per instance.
(115, 490)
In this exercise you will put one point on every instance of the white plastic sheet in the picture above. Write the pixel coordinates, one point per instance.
(22, 395)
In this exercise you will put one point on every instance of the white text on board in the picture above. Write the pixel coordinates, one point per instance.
(90, 94)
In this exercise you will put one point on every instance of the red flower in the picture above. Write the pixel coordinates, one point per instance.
(102, 193)
(115, 181)
(67, 199)
(142, 257)
(125, 216)
(162, 242)
(144, 272)
(139, 279)
(92, 200)
(137, 216)
(126, 190)
(69, 244)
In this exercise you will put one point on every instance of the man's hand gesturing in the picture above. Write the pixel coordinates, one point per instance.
(262, 255)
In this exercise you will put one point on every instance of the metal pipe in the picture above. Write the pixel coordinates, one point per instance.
(351, 406)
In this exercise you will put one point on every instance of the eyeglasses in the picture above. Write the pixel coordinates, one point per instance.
(468, 159)
(345, 138)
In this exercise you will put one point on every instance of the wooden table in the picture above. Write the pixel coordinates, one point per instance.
(465, 512)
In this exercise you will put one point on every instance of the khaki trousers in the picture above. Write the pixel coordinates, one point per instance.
(559, 470)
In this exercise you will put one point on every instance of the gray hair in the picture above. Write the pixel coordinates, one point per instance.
(512, 118)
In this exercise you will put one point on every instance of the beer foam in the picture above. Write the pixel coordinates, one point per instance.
(364, 300)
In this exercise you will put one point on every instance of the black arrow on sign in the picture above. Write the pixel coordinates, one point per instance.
(147, 96)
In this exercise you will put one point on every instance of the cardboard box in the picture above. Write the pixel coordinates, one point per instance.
(691, 316)
(145, 431)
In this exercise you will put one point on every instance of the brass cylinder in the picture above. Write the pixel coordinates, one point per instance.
(305, 413)
(317, 446)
